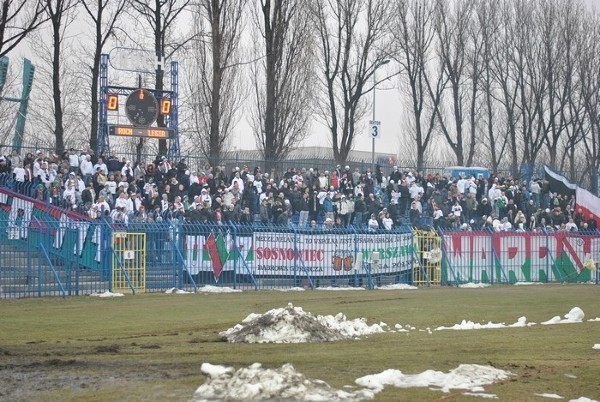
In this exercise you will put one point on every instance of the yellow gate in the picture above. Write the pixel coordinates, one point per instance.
(129, 262)
(429, 253)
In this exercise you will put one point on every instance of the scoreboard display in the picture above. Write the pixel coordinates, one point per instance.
(142, 109)
(146, 132)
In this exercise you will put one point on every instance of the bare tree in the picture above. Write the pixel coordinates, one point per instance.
(283, 79)
(162, 16)
(214, 74)
(354, 41)
(18, 18)
(452, 26)
(413, 39)
(59, 13)
(588, 59)
(41, 114)
(551, 99)
(571, 126)
(104, 15)
(488, 17)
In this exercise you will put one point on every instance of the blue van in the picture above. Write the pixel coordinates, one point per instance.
(458, 171)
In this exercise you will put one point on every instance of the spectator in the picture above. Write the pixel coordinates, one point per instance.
(373, 224)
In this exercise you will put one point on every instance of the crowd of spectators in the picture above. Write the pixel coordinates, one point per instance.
(163, 190)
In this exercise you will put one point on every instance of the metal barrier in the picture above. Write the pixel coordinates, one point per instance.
(428, 267)
(129, 262)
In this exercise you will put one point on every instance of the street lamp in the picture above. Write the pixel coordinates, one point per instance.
(383, 62)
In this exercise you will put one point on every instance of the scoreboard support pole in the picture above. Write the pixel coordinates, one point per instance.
(103, 141)
(174, 153)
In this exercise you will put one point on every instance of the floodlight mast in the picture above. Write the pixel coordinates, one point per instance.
(383, 62)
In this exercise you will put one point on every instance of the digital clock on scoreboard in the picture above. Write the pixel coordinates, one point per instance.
(146, 132)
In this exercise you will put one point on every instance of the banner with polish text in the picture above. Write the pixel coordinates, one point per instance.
(289, 254)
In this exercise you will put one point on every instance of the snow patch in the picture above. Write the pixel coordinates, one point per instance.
(335, 288)
(106, 294)
(471, 377)
(575, 315)
(472, 285)
(397, 286)
(256, 383)
(470, 325)
(481, 395)
(527, 283)
(294, 289)
(177, 291)
(218, 289)
(294, 325)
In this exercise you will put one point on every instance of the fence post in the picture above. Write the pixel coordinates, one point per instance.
(235, 251)
(106, 260)
(547, 254)
(296, 255)
(493, 255)
(175, 244)
(411, 277)
(355, 254)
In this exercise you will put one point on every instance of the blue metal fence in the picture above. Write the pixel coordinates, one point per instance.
(62, 256)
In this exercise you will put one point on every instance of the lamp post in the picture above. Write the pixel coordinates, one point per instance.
(383, 62)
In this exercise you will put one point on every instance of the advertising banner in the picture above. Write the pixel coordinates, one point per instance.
(289, 254)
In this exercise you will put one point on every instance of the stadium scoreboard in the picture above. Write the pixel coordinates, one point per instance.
(142, 110)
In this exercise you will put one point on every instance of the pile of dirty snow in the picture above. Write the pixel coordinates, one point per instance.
(255, 383)
(575, 315)
(294, 325)
(466, 376)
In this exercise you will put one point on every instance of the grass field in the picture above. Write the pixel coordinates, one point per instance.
(150, 347)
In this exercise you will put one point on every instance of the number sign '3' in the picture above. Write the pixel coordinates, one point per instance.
(375, 128)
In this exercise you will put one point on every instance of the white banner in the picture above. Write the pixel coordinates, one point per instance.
(329, 255)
